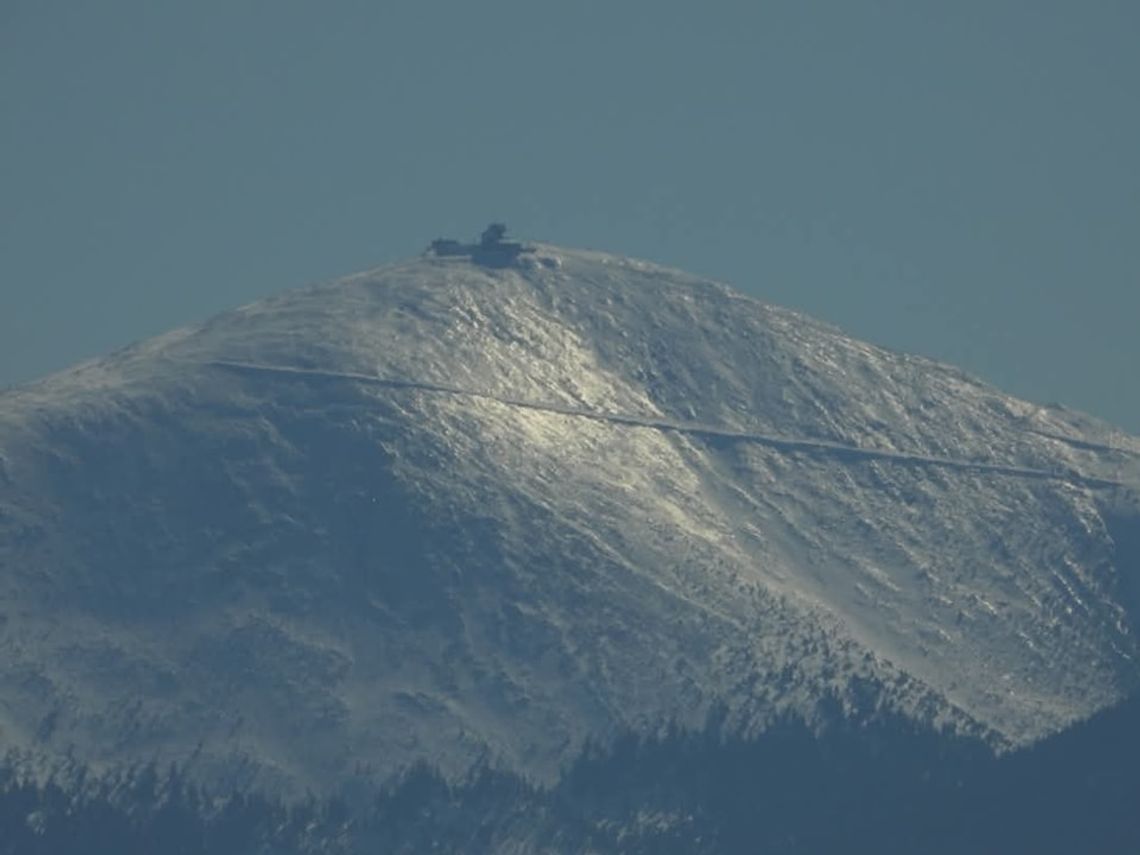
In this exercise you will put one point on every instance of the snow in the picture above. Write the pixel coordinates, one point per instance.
(437, 510)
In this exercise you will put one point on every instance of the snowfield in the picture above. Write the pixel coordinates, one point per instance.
(441, 511)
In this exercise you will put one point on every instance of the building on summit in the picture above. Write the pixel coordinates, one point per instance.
(492, 250)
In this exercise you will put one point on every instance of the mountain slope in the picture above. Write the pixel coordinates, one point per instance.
(443, 510)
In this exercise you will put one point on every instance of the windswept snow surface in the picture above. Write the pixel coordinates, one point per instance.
(438, 511)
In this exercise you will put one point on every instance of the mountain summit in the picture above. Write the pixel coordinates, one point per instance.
(447, 510)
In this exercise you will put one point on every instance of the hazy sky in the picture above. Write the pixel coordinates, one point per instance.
(954, 178)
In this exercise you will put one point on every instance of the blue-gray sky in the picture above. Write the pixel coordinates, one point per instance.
(957, 179)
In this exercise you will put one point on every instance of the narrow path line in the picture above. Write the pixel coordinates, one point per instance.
(1084, 444)
(782, 443)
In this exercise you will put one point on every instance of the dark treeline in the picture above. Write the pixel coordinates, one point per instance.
(880, 788)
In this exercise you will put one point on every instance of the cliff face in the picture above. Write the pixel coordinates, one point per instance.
(442, 511)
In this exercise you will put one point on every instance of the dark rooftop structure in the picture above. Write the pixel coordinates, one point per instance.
(492, 250)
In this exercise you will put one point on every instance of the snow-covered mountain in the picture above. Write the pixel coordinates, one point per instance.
(447, 510)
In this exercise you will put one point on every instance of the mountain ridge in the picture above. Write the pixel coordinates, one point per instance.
(437, 510)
